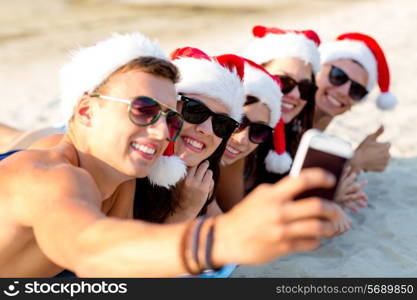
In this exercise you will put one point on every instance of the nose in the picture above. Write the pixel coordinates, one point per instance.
(344, 88)
(159, 130)
(241, 137)
(294, 93)
(206, 127)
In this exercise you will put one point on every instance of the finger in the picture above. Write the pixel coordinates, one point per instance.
(351, 206)
(191, 172)
(377, 133)
(289, 187)
(364, 196)
(352, 198)
(386, 145)
(302, 245)
(362, 203)
(350, 179)
(355, 188)
(208, 178)
(308, 208)
(346, 172)
(201, 170)
(309, 228)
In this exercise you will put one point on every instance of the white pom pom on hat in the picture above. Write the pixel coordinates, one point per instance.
(168, 170)
(278, 160)
(366, 51)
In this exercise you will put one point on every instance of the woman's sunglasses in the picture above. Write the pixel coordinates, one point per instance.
(306, 87)
(338, 77)
(144, 111)
(258, 132)
(195, 112)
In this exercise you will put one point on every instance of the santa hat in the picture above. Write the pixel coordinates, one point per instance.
(91, 66)
(366, 51)
(267, 88)
(272, 43)
(218, 77)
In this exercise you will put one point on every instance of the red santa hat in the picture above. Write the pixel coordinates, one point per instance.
(217, 77)
(366, 51)
(91, 66)
(272, 43)
(259, 83)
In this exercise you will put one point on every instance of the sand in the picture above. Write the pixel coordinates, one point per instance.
(35, 37)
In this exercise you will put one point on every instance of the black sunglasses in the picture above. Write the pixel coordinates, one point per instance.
(195, 112)
(306, 87)
(144, 111)
(338, 77)
(258, 132)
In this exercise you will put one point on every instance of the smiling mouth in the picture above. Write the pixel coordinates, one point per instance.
(334, 101)
(231, 152)
(288, 106)
(193, 144)
(143, 150)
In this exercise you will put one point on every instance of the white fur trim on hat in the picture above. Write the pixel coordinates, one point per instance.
(210, 79)
(260, 85)
(386, 101)
(349, 49)
(91, 66)
(167, 171)
(278, 163)
(273, 46)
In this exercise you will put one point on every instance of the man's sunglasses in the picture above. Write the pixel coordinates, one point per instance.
(144, 111)
(195, 112)
(306, 87)
(258, 132)
(338, 77)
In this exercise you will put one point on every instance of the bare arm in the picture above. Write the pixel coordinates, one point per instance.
(73, 233)
(64, 212)
(231, 186)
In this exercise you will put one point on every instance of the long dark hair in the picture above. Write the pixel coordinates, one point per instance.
(255, 172)
(154, 203)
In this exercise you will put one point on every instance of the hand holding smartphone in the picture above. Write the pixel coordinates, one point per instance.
(318, 149)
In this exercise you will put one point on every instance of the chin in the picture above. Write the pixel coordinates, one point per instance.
(228, 161)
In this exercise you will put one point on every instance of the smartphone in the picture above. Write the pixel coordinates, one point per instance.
(318, 149)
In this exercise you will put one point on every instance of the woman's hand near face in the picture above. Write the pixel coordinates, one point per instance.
(193, 192)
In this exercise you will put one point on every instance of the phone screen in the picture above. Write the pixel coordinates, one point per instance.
(330, 162)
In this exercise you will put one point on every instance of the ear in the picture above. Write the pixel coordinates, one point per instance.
(84, 110)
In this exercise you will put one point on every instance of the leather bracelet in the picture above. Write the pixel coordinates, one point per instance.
(184, 250)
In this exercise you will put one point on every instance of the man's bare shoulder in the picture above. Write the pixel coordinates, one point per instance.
(34, 181)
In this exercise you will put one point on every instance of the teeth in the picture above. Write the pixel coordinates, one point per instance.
(143, 148)
(334, 101)
(232, 150)
(194, 143)
(287, 105)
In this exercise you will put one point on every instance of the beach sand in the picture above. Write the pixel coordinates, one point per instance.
(36, 36)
